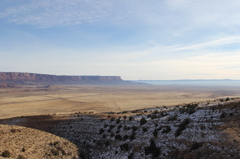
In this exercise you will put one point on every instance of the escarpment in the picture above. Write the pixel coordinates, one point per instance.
(24, 78)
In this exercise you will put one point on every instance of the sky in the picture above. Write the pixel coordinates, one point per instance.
(134, 39)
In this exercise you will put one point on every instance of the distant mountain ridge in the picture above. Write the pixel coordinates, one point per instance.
(25, 78)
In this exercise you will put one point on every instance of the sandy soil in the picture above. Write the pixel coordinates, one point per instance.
(36, 100)
(23, 142)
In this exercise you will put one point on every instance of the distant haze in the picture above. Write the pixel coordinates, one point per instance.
(235, 83)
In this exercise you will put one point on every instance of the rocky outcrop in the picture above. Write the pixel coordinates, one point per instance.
(25, 78)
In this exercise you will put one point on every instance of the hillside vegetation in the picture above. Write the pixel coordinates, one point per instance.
(205, 130)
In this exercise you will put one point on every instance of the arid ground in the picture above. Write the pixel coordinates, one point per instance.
(36, 100)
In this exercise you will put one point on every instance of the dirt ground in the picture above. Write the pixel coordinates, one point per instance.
(36, 100)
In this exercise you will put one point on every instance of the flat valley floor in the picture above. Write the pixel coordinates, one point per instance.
(62, 99)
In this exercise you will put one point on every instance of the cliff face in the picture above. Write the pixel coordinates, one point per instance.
(15, 77)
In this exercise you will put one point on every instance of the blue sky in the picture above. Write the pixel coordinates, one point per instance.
(135, 39)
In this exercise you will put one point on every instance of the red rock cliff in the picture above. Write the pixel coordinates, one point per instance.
(15, 77)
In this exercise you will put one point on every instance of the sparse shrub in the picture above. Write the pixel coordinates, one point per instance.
(134, 111)
(107, 143)
(112, 134)
(155, 133)
(143, 121)
(182, 126)
(125, 137)
(112, 126)
(172, 118)
(112, 119)
(126, 128)
(124, 147)
(160, 128)
(55, 143)
(6, 153)
(23, 150)
(163, 114)
(134, 128)
(118, 121)
(166, 129)
(118, 137)
(101, 131)
(21, 157)
(104, 136)
(131, 156)
(221, 100)
(190, 109)
(195, 146)
(64, 152)
(223, 115)
(132, 136)
(14, 130)
(202, 127)
(152, 149)
(153, 116)
(105, 125)
(119, 126)
(227, 99)
(130, 118)
(54, 152)
(144, 129)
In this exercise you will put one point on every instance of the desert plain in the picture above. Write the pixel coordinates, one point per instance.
(63, 99)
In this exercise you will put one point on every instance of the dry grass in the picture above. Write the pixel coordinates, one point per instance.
(33, 100)
(30, 143)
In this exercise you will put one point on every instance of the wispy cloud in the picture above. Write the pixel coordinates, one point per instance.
(48, 13)
(218, 42)
(170, 38)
